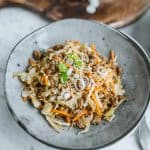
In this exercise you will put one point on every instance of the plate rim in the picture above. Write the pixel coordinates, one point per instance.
(127, 37)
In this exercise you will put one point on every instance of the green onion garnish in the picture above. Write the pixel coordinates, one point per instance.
(63, 72)
(63, 77)
(76, 59)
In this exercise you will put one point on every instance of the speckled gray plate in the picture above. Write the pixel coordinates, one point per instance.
(136, 80)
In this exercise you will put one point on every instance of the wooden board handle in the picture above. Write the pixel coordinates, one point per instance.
(113, 12)
(38, 5)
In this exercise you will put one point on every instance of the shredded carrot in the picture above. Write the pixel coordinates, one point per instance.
(87, 89)
(93, 47)
(61, 112)
(78, 116)
(56, 58)
(68, 65)
(96, 60)
(112, 55)
(99, 112)
(97, 88)
(68, 119)
(44, 80)
(88, 74)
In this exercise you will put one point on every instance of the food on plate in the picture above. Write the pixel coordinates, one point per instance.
(73, 85)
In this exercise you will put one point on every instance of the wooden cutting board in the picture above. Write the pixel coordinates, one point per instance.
(116, 13)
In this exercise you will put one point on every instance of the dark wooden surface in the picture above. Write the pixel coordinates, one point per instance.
(116, 13)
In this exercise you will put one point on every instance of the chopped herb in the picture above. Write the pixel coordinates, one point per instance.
(63, 72)
(78, 63)
(76, 59)
(72, 56)
(63, 77)
(62, 68)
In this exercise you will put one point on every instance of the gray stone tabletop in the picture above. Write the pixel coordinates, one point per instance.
(15, 23)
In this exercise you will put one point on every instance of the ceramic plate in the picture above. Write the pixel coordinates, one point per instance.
(136, 81)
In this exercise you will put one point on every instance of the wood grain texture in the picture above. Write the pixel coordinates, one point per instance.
(114, 12)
